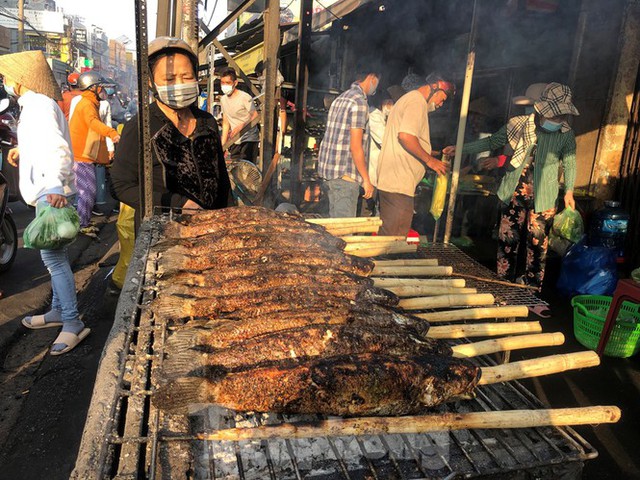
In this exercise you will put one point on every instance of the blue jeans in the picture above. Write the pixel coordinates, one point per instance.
(63, 284)
(343, 197)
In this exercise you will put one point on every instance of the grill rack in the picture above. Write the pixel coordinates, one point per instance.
(126, 438)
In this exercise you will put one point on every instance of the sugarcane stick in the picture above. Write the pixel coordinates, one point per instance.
(538, 367)
(414, 262)
(373, 250)
(472, 313)
(385, 282)
(487, 347)
(427, 291)
(441, 301)
(420, 271)
(484, 330)
(374, 239)
(422, 423)
(344, 220)
(498, 282)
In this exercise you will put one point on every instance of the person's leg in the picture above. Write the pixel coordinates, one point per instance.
(538, 227)
(86, 186)
(396, 213)
(252, 152)
(512, 218)
(236, 152)
(343, 197)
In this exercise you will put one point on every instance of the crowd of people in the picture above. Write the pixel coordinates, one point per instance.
(378, 154)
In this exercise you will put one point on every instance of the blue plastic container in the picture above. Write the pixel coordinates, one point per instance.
(609, 228)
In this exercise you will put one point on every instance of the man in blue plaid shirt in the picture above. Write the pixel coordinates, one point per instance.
(343, 152)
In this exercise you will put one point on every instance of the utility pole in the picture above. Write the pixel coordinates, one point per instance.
(20, 25)
(189, 31)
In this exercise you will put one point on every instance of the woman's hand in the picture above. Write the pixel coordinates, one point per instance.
(13, 157)
(569, 201)
(57, 201)
(450, 150)
(191, 205)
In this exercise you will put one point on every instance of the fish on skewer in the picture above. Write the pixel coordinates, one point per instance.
(300, 343)
(365, 384)
(222, 333)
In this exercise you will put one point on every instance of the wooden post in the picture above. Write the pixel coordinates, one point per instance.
(302, 83)
(269, 101)
(165, 14)
(20, 25)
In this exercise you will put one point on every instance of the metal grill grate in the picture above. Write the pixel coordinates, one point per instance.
(142, 442)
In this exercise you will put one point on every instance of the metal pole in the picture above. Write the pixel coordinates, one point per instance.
(145, 162)
(212, 78)
(213, 34)
(190, 23)
(271, 48)
(302, 81)
(20, 25)
(464, 110)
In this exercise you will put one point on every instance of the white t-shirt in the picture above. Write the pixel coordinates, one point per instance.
(398, 170)
(237, 109)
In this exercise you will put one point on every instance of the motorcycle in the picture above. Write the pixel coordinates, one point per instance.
(8, 230)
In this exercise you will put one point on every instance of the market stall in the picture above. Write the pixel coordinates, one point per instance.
(501, 431)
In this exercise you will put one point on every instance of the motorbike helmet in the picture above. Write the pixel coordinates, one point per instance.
(89, 79)
(167, 45)
(72, 79)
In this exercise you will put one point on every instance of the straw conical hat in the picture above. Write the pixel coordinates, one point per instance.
(31, 70)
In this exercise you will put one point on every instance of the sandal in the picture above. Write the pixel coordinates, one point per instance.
(37, 323)
(71, 340)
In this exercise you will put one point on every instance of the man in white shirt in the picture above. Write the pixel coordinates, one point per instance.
(46, 179)
(238, 111)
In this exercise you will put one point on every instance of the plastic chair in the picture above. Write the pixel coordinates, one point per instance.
(626, 290)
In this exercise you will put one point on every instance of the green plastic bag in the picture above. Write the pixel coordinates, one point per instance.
(52, 229)
(568, 225)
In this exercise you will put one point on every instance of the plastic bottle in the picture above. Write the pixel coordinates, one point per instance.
(609, 228)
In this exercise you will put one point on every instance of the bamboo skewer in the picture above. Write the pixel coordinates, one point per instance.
(373, 250)
(498, 282)
(422, 423)
(441, 301)
(417, 262)
(385, 282)
(538, 367)
(484, 330)
(374, 239)
(420, 271)
(351, 229)
(487, 347)
(344, 221)
(426, 291)
(473, 313)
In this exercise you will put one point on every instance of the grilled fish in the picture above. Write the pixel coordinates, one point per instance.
(173, 306)
(239, 258)
(365, 384)
(301, 343)
(222, 333)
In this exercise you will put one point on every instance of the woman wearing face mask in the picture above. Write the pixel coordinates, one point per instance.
(541, 142)
(88, 135)
(188, 164)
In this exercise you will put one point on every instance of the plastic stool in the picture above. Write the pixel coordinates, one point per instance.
(626, 291)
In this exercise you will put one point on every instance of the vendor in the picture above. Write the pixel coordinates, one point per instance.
(406, 152)
(188, 164)
(541, 142)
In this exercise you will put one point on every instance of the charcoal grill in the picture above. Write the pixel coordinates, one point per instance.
(126, 438)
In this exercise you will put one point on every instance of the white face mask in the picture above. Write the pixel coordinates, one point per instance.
(227, 89)
(386, 111)
(374, 88)
(10, 91)
(178, 96)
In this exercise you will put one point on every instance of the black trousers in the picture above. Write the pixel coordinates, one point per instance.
(244, 151)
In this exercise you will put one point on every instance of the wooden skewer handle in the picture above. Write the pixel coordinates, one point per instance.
(484, 330)
(423, 423)
(373, 250)
(538, 367)
(472, 313)
(344, 221)
(415, 262)
(442, 301)
(350, 229)
(429, 291)
(386, 282)
(420, 271)
(487, 347)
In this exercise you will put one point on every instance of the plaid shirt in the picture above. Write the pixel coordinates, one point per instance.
(349, 110)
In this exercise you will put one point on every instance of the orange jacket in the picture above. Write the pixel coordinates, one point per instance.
(88, 132)
(65, 103)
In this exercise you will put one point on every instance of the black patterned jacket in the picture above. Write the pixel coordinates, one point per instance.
(183, 168)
